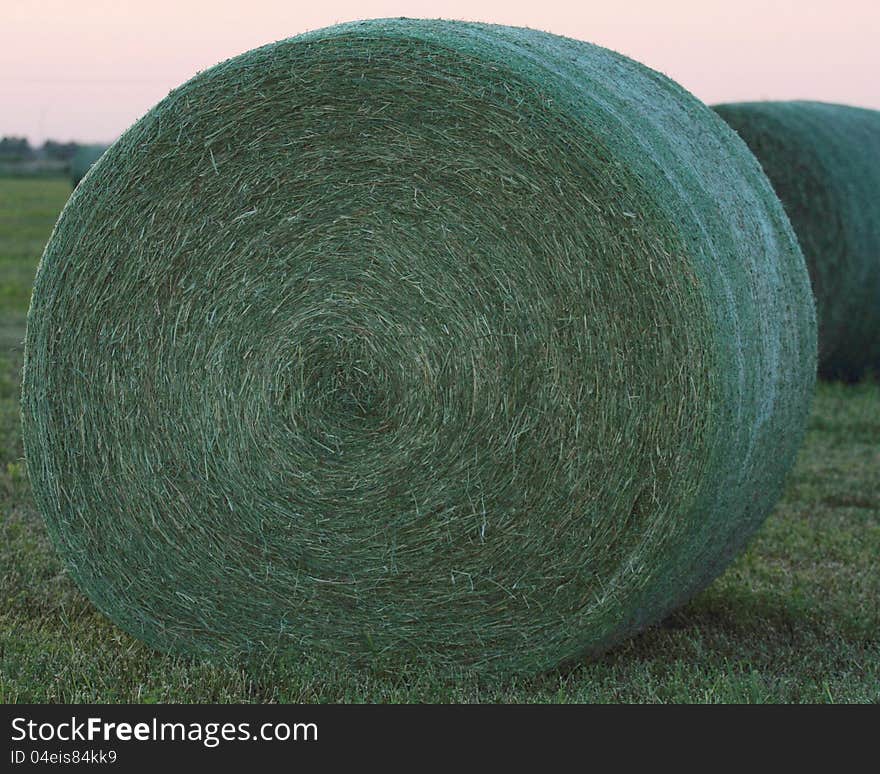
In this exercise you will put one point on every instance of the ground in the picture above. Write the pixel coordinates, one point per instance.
(797, 618)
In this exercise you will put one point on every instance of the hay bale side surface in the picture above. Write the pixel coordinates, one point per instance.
(467, 345)
(824, 163)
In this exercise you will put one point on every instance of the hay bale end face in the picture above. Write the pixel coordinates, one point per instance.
(449, 343)
(824, 163)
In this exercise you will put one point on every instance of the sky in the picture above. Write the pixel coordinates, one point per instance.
(87, 69)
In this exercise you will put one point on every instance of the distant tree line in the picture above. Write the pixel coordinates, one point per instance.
(13, 149)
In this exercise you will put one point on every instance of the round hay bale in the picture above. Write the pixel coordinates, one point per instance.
(824, 162)
(463, 345)
(83, 160)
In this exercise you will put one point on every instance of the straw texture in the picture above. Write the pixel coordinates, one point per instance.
(449, 343)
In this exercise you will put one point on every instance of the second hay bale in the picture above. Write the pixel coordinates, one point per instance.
(83, 160)
(824, 163)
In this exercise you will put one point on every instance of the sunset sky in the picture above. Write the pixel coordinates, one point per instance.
(86, 70)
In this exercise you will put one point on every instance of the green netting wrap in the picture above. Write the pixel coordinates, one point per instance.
(463, 345)
(824, 162)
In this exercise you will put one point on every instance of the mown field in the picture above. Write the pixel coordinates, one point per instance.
(796, 619)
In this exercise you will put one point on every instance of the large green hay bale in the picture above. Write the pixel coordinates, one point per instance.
(440, 342)
(824, 162)
(83, 160)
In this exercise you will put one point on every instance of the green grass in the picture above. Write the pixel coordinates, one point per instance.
(795, 619)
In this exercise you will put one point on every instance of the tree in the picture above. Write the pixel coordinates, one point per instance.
(15, 149)
(59, 151)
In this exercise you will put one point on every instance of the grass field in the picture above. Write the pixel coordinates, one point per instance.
(795, 619)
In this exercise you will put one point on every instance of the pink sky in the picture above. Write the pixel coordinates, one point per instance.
(86, 69)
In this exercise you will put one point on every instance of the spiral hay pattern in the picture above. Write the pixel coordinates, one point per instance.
(824, 163)
(464, 345)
